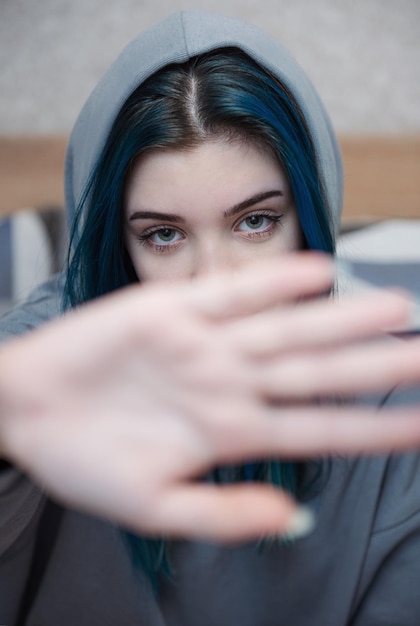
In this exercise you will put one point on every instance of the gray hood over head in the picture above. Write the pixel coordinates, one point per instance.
(176, 39)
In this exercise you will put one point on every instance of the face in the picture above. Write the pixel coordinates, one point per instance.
(213, 207)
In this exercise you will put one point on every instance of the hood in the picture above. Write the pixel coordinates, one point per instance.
(176, 39)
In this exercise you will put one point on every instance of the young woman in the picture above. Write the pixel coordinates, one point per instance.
(201, 161)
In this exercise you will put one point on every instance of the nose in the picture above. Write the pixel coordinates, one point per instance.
(210, 257)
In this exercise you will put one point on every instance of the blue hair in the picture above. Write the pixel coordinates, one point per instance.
(221, 94)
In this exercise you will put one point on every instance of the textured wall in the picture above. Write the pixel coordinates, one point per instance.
(363, 55)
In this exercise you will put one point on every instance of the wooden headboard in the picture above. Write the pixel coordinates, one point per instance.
(382, 175)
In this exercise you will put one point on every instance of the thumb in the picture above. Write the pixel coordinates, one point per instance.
(229, 513)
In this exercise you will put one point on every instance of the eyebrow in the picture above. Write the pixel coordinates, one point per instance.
(245, 204)
(155, 215)
(233, 210)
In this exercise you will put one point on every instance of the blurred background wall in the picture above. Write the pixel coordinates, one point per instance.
(362, 55)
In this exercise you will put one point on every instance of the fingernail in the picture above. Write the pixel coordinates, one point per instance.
(301, 523)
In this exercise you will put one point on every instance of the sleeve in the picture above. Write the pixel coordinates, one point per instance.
(21, 505)
(43, 304)
(20, 500)
(388, 590)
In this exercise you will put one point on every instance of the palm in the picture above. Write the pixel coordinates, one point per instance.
(142, 393)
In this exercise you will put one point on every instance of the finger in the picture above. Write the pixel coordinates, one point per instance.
(261, 285)
(230, 513)
(320, 323)
(347, 370)
(352, 431)
(305, 432)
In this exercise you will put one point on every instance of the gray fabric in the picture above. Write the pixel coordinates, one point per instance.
(43, 304)
(360, 567)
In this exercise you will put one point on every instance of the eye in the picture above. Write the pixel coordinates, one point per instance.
(161, 238)
(263, 222)
(256, 222)
(165, 235)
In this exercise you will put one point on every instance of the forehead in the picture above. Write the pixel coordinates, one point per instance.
(216, 173)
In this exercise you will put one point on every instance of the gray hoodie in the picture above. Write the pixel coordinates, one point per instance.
(360, 566)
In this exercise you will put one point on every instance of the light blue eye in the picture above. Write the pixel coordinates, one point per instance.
(255, 223)
(165, 235)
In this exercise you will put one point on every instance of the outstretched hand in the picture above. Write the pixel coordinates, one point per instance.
(118, 408)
